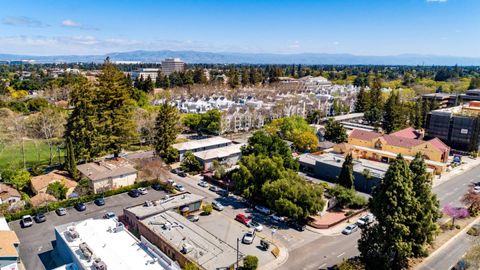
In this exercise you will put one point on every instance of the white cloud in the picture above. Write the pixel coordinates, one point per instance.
(295, 45)
(336, 43)
(74, 24)
(22, 21)
(437, 1)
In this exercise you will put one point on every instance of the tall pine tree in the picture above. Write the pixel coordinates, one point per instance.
(166, 129)
(115, 110)
(362, 102)
(387, 244)
(70, 161)
(346, 178)
(424, 226)
(374, 112)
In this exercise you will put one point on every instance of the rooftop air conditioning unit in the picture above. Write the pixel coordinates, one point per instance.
(98, 264)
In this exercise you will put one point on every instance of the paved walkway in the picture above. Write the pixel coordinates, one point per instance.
(280, 260)
(469, 164)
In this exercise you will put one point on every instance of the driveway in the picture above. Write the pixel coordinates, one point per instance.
(37, 242)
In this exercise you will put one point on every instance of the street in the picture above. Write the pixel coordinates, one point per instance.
(323, 251)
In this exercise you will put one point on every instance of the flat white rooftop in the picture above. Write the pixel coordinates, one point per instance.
(221, 152)
(198, 144)
(118, 249)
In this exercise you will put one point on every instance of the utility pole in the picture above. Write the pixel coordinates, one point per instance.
(238, 243)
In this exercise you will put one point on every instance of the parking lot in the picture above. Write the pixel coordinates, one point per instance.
(37, 242)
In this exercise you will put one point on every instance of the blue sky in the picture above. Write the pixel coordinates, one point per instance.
(362, 27)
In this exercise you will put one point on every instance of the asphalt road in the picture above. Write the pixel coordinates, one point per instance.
(37, 242)
(326, 250)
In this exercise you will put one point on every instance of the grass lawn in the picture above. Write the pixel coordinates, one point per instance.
(36, 152)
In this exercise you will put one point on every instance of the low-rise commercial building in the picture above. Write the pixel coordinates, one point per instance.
(9, 247)
(183, 202)
(201, 145)
(108, 174)
(9, 194)
(228, 155)
(145, 73)
(103, 244)
(184, 241)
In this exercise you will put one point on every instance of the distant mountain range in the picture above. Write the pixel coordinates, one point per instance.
(254, 58)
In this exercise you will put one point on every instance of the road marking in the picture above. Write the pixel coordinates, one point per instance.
(322, 265)
(341, 254)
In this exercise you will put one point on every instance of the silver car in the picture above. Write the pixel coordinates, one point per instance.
(217, 206)
(61, 211)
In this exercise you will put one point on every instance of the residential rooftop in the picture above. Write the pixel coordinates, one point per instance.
(110, 244)
(219, 153)
(198, 144)
(145, 210)
(107, 168)
(208, 251)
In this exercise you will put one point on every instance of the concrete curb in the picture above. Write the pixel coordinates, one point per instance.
(464, 230)
(460, 171)
(280, 260)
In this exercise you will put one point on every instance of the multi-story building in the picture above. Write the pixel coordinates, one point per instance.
(171, 65)
(145, 73)
(385, 147)
(102, 244)
(458, 127)
(442, 100)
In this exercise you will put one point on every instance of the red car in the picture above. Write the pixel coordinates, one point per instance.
(243, 219)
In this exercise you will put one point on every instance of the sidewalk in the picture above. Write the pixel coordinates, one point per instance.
(469, 164)
(281, 259)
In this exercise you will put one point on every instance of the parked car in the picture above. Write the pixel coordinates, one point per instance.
(27, 221)
(193, 218)
(248, 237)
(203, 184)
(476, 189)
(299, 226)
(142, 190)
(182, 174)
(170, 181)
(157, 186)
(223, 192)
(365, 220)
(262, 209)
(350, 229)
(255, 225)
(213, 189)
(217, 206)
(243, 219)
(109, 215)
(134, 193)
(264, 244)
(175, 171)
(277, 218)
(180, 187)
(80, 207)
(99, 201)
(61, 211)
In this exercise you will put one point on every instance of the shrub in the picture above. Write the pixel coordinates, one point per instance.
(250, 262)
(349, 213)
(207, 209)
(457, 227)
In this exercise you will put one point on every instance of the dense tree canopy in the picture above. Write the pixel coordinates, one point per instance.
(295, 129)
(335, 132)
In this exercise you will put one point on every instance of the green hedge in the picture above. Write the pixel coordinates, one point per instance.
(87, 198)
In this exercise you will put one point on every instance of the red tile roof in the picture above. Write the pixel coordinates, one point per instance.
(364, 135)
(409, 133)
(402, 142)
(439, 144)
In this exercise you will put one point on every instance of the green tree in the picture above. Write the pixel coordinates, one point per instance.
(346, 178)
(373, 113)
(391, 113)
(362, 102)
(20, 179)
(387, 243)
(347, 197)
(57, 190)
(335, 132)
(290, 128)
(474, 83)
(82, 125)
(190, 163)
(166, 128)
(70, 160)
(192, 121)
(306, 141)
(115, 113)
(424, 226)
(250, 263)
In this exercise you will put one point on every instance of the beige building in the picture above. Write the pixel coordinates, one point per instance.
(40, 183)
(8, 194)
(108, 174)
(171, 65)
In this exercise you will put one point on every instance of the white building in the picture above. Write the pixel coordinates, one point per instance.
(145, 73)
(171, 65)
(102, 244)
(108, 174)
(201, 145)
(228, 155)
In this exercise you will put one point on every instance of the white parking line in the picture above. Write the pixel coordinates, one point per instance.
(341, 254)
(322, 265)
